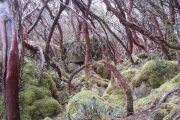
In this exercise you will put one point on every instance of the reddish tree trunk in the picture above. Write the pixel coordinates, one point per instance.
(88, 44)
(10, 65)
(12, 81)
(123, 84)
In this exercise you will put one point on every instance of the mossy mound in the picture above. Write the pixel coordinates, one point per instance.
(88, 105)
(91, 81)
(38, 98)
(129, 74)
(101, 70)
(114, 94)
(145, 102)
(78, 99)
(155, 73)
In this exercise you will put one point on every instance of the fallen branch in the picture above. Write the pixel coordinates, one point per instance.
(122, 83)
(177, 117)
(163, 98)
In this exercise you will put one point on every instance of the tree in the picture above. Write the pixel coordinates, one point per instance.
(10, 60)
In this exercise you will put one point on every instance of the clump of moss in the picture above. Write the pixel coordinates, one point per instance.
(135, 59)
(37, 97)
(114, 94)
(88, 105)
(155, 73)
(101, 70)
(129, 73)
(78, 99)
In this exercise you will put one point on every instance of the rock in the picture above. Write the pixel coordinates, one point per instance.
(101, 70)
(72, 66)
(153, 74)
(74, 53)
(86, 104)
(76, 102)
(74, 56)
(156, 116)
(155, 94)
(141, 91)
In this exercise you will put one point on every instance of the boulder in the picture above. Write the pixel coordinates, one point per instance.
(88, 105)
(101, 70)
(152, 75)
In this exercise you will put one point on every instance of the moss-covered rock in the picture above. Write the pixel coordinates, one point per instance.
(88, 105)
(144, 102)
(101, 70)
(135, 59)
(114, 94)
(155, 73)
(129, 73)
(37, 97)
(75, 102)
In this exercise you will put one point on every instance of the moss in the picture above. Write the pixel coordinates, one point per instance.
(48, 82)
(129, 74)
(75, 102)
(32, 93)
(155, 73)
(170, 108)
(101, 70)
(144, 103)
(88, 105)
(1, 107)
(48, 107)
(96, 79)
(37, 96)
(135, 58)
(114, 94)
(47, 118)
(28, 75)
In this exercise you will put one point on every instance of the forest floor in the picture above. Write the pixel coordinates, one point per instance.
(144, 115)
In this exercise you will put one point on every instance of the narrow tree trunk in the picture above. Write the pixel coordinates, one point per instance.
(123, 84)
(88, 44)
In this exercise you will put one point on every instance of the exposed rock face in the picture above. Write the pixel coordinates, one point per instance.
(101, 70)
(141, 91)
(74, 56)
